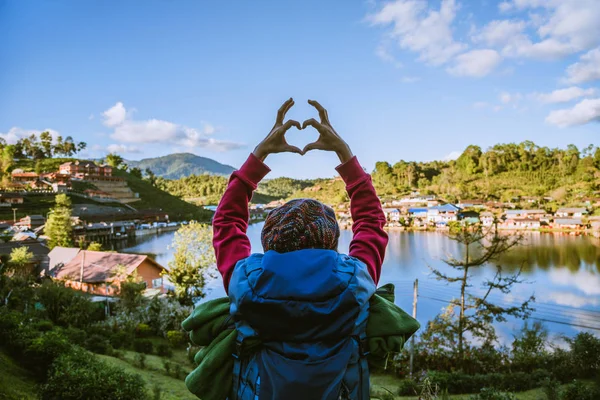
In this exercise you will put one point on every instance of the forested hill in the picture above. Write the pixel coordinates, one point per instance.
(179, 165)
(502, 172)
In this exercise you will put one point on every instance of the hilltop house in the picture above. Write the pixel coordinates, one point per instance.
(471, 204)
(101, 273)
(18, 175)
(81, 169)
(8, 199)
(571, 212)
(31, 222)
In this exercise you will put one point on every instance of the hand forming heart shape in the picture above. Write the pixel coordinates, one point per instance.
(328, 139)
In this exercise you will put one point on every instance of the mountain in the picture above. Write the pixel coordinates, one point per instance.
(179, 165)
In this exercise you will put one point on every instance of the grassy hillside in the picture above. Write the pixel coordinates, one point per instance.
(175, 166)
(15, 382)
(153, 198)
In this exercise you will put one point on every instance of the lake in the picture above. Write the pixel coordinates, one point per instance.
(562, 271)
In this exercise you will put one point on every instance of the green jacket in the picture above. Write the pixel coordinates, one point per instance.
(210, 325)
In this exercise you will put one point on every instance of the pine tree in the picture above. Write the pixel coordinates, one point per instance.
(58, 226)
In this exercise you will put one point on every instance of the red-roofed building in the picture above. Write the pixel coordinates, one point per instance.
(101, 273)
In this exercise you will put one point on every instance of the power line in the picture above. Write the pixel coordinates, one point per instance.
(535, 318)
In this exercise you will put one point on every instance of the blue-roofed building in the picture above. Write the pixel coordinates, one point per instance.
(417, 212)
(444, 213)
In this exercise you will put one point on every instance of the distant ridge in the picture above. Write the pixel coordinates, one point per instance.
(179, 165)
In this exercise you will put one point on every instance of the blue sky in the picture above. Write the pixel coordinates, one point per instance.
(405, 79)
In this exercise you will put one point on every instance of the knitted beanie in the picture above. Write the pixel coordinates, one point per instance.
(300, 224)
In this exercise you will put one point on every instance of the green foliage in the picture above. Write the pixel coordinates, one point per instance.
(493, 394)
(121, 339)
(193, 262)
(42, 147)
(143, 346)
(577, 390)
(43, 350)
(176, 338)
(175, 166)
(19, 262)
(142, 330)
(585, 352)
(114, 160)
(58, 226)
(164, 349)
(130, 291)
(200, 189)
(78, 376)
(140, 360)
(95, 246)
(136, 172)
(551, 389)
(98, 344)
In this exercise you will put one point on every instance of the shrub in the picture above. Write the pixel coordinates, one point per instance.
(176, 338)
(164, 349)
(42, 352)
(585, 352)
(142, 330)
(191, 353)
(42, 326)
(143, 346)
(551, 389)
(168, 365)
(98, 344)
(121, 339)
(78, 375)
(381, 394)
(178, 371)
(156, 392)
(140, 360)
(492, 394)
(408, 387)
(75, 336)
(577, 391)
(458, 382)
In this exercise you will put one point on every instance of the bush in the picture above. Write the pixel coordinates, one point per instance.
(168, 365)
(176, 338)
(43, 325)
(551, 389)
(75, 336)
(42, 352)
(142, 330)
(140, 360)
(585, 352)
(492, 394)
(458, 382)
(98, 344)
(79, 375)
(143, 346)
(121, 339)
(164, 349)
(408, 387)
(577, 391)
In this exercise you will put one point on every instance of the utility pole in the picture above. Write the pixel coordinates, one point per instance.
(14, 215)
(414, 314)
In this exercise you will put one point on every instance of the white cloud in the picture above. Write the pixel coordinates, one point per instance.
(564, 95)
(127, 130)
(587, 69)
(585, 281)
(452, 156)
(15, 133)
(410, 79)
(115, 115)
(383, 53)
(571, 299)
(420, 29)
(584, 112)
(121, 148)
(508, 98)
(475, 63)
(499, 32)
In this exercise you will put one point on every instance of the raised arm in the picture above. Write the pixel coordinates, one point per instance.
(370, 240)
(230, 221)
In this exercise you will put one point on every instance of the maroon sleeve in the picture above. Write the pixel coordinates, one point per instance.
(369, 240)
(230, 221)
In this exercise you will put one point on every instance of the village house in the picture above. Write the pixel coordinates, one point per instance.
(40, 261)
(568, 223)
(101, 273)
(81, 169)
(444, 213)
(570, 212)
(487, 218)
(530, 214)
(98, 194)
(471, 204)
(31, 222)
(521, 223)
(392, 214)
(8, 199)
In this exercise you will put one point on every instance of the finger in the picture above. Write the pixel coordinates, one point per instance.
(312, 122)
(283, 110)
(322, 111)
(293, 149)
(289, 123)
(313, 146)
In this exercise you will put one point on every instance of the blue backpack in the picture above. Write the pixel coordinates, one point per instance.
(309, 310)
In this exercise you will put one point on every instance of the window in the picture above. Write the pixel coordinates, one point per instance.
(158, 282)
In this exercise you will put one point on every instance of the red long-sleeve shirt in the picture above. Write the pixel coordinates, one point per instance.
(230, 221)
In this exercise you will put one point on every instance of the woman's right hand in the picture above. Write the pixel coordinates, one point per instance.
(328, 140)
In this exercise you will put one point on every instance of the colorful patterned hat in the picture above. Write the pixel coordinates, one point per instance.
(300, 224)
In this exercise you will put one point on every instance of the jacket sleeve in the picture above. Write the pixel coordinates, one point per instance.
(369, 238)
(230, 221)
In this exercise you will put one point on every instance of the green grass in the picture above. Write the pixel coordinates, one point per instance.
(15, 382)
(171, 388)
(156, 199)
(46, 165)
(41, 205)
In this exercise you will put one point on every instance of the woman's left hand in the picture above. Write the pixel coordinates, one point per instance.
(275, 141)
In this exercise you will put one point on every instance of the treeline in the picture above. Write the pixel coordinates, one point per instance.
(502, 172)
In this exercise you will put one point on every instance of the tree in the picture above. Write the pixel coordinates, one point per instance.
(150, 176)
(58, 226)
(193, 263)
(114, 160)
(20, 261)
(95, 246)
(136, 172)
(46, 144)
(478, 312)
